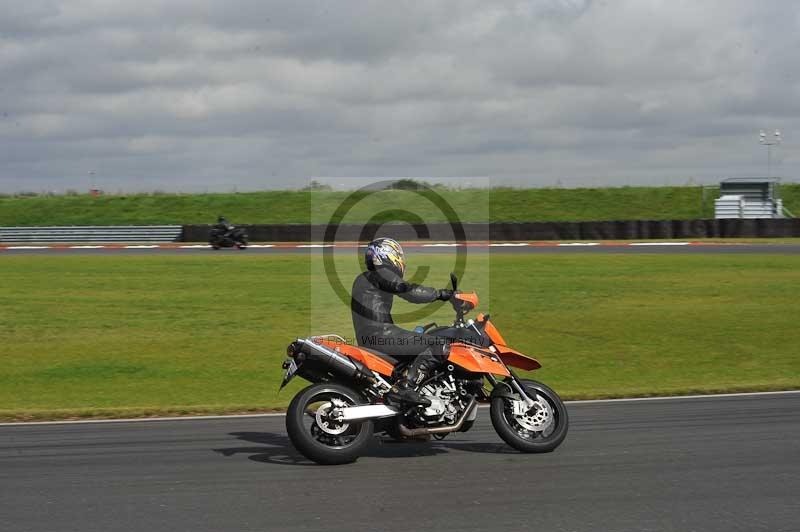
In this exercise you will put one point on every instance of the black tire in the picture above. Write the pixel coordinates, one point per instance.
(525, 440)
(321, 447)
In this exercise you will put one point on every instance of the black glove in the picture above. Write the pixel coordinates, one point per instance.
(445, 294)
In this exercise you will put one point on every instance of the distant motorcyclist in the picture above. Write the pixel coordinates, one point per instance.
(371, 307)
(225, 234)
(222, 225)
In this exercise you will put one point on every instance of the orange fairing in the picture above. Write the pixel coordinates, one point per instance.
(476, 360)
(373, 362)
(516, 359)
(492, 332)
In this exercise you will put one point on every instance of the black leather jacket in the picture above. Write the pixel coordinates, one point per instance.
(222, 228)
(372, 297)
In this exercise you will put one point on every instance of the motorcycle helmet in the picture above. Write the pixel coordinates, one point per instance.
(385, 252)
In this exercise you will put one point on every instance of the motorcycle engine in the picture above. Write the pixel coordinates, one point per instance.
(444, 401)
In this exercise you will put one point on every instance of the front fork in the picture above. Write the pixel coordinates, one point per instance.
(515, 384)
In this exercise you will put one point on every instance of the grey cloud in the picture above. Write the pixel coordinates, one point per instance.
(208, 95)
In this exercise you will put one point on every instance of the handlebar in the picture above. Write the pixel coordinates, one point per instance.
(462, 302)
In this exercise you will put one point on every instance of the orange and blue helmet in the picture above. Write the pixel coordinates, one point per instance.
(386, 252)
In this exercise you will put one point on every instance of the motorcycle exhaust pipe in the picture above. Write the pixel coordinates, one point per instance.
(338, 364)
(410, 433)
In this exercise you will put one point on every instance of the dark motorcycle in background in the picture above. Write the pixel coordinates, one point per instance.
(227, 238)
(332, 420)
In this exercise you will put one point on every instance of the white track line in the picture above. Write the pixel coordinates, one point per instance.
(659, 244)
(139, 419)
(674, 397)
(317, 246)
(279, 414)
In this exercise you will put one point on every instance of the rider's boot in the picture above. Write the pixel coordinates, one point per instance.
(404, 389)
(403, 392)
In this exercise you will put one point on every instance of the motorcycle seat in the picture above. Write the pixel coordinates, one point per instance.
(388, 358)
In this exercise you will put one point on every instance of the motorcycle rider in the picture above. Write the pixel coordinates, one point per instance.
(222, 226)
(371, 307)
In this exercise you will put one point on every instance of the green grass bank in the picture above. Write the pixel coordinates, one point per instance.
(473, 205)
(107, 336)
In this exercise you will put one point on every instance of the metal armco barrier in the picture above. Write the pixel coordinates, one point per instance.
(496, 231)
(127, 233)
(520, 231)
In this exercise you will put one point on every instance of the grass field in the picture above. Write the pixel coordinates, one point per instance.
(110, 336)
(501, 204)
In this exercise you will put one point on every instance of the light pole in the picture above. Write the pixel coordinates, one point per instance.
(776, 139)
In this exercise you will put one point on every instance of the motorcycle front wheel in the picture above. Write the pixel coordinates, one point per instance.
(537, 430)
(319, 437)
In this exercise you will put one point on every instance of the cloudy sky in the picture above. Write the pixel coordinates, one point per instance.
(193, 95)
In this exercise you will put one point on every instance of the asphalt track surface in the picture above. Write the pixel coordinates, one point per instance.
(704, 464)
(648, 248)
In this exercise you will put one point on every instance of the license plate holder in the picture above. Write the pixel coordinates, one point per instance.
(291, 367)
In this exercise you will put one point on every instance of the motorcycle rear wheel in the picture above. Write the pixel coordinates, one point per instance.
(511, 429)
(319, 438)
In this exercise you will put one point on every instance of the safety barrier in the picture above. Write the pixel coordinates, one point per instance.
(517, 231)
(496, 231)
(128, 233)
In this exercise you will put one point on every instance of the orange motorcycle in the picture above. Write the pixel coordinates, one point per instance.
(333, 420)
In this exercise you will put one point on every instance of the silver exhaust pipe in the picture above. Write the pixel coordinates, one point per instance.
(410, 433)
